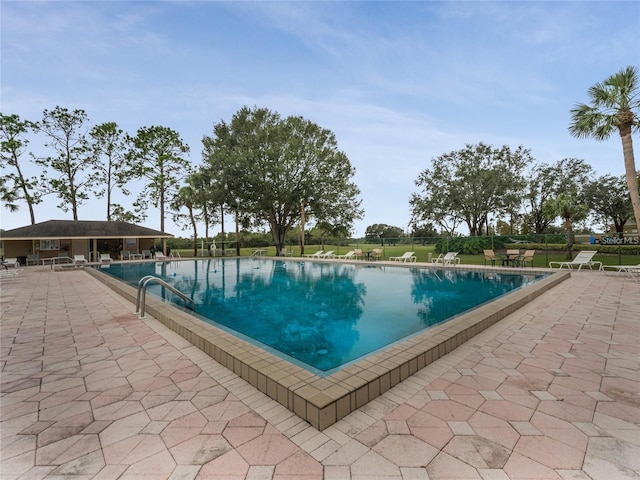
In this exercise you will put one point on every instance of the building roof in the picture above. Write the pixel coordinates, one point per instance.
(70, 229)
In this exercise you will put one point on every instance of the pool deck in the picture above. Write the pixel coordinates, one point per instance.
(89, 390)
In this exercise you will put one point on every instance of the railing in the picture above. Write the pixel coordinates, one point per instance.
(142, 293)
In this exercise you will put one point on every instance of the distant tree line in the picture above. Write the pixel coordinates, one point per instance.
(284, 175)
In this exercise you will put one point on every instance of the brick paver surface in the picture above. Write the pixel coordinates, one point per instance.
(88, 390)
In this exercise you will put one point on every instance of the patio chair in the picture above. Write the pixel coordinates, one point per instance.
(314, 255)
(527, 256)
(328, 254)
(349, 255)
(490, 255)
(405, 257)
(105, 257)
(450, 258)
(376, 254)
(357, 253)
(33, 258)
(583, 259)
(146, 254)
(79, 259)
(160, 256)
(511, 255)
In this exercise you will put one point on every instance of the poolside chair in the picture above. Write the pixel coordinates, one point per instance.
(527, 256)
(450, 258)
(490, 255)
(314, 255)
(160, 256)
(405, 257)
(511, 255)
(631, 270)
(357, 253)
(105, 257)
(349, 255)
(79, 259)
(376, 254)
(33, 258)
(10, 262)
(146, 254)
(328, 254)
(583, 259)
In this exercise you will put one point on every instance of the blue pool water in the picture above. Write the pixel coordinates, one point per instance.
(323, 315)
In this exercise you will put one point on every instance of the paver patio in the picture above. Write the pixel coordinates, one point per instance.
(88, 390)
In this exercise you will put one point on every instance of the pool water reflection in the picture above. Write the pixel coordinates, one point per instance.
(323, 314)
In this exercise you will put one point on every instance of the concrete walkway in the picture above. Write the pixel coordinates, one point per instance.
(88, 390)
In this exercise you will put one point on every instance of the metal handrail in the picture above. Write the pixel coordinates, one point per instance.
(142, 293)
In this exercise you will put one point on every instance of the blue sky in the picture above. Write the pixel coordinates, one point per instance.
(399, 83)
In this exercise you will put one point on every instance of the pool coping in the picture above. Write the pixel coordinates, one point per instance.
(322, 401)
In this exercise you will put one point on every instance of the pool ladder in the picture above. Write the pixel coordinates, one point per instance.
(142, 293)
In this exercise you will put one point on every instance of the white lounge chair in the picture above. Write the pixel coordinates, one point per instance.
(10, 262)
(160, 256)
(583, 259)
(314, 255)
(629, 269)
(450, 258)
(79, 259)
(105, 257)
(328, 254)
(348, 255)
(405, 257)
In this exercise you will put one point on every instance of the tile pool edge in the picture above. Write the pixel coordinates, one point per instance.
(322, 401)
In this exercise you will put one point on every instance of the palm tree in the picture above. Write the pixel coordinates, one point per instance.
(615, 104)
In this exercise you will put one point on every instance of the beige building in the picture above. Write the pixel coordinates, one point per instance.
(66, 238)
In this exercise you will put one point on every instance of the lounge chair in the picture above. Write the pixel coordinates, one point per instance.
(314, 255)
(351, 254)
(357, 253)
(527, 256)
(79, 259)
(105, 257)
(583, 259)
(450, 258)
(376, 254)
(629, 269)
(328, 254)
(160, 256)
(490, 255)
(146, 254)
(405, 257)
(10, 262)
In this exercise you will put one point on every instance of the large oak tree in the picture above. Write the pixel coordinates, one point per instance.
(282, 171)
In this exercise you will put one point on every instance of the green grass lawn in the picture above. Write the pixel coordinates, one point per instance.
(425, 252)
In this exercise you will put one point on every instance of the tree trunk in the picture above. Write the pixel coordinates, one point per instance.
(632, 176)
(570, 238)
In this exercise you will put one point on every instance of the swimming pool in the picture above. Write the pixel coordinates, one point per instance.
(324, 315)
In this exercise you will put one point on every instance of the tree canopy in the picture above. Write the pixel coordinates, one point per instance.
(470, 185)
(614, 106)
(279, 171)
(158, 154)
(14, 185)
(72, 171)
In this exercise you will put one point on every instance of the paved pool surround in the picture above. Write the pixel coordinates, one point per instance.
(322, 401)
